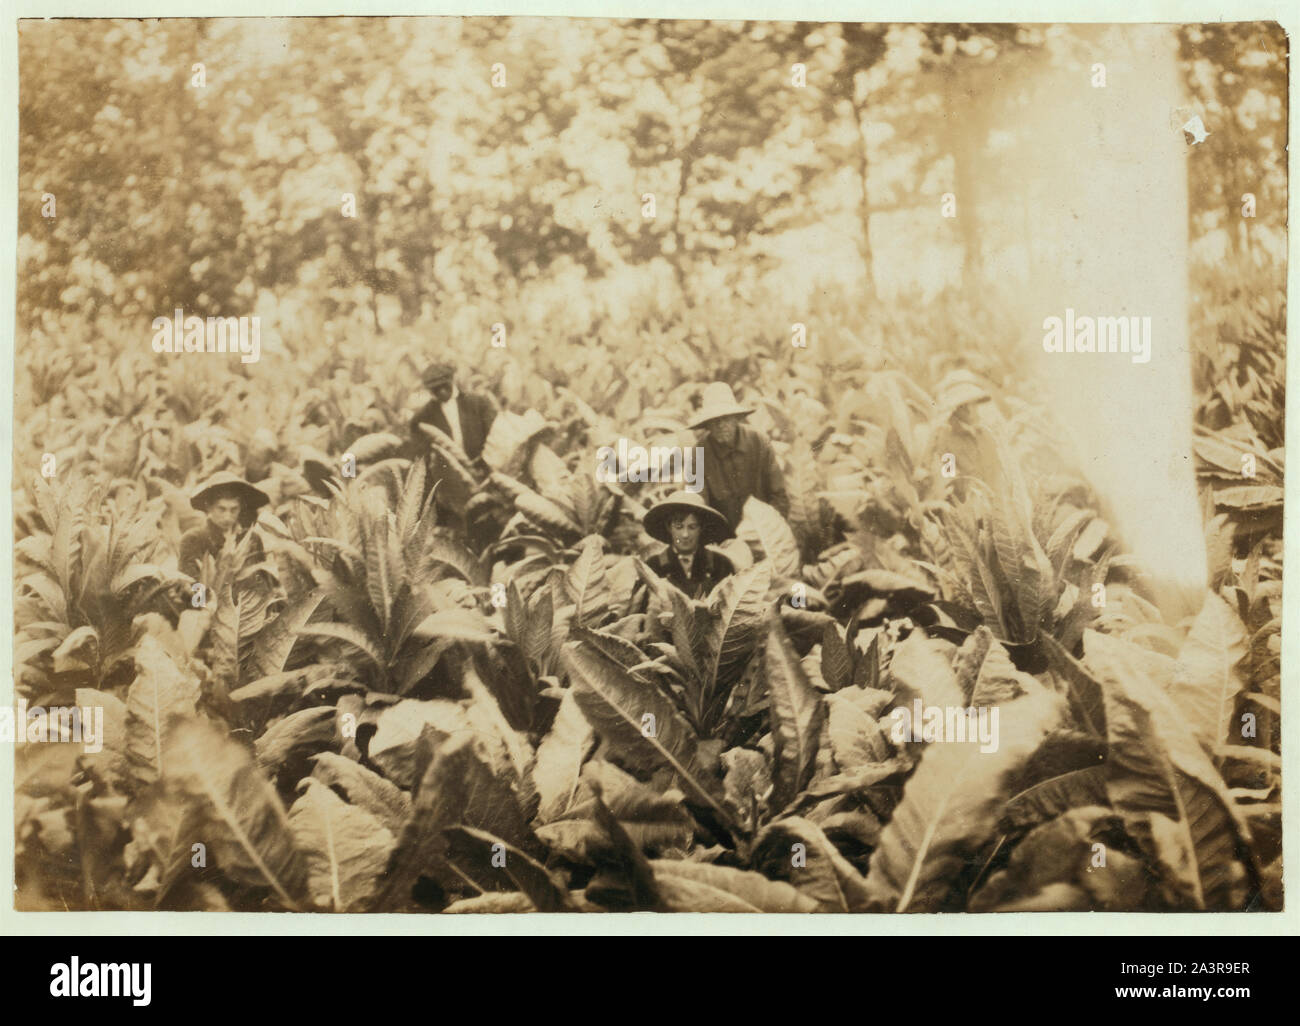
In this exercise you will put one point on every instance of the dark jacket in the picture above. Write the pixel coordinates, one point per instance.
(205, 540)
(733, 473)
(476, 416)
(707, 570)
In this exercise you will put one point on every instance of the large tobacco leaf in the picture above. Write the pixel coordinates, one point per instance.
(1206, 678)
(652, 819)
(642, 724)
(347, 849)
(797, 712)
(585, 583)
(458, 788)
(558, 763)
(244, 825)
(737, 605)
(365, 789)
(1164, 785)
(273, 645)
(161, 696)
(920, 669)
(796, 850)
(762, 527)
(856, 738)
(950, 809)
(472, 848)
(700, 887)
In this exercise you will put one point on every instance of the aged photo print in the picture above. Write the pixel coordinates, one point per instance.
(542, 464)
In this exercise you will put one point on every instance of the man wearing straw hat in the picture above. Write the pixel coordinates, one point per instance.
(686, 524)
(231, 505)
(737, 461)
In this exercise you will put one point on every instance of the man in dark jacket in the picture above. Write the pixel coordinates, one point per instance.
(461, 416)
(464, 418)
(737, 461)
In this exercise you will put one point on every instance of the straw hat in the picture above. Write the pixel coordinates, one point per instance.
(718, 401)
(225, 483)
(713, 525)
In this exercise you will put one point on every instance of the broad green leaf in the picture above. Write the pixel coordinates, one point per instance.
(815, 867)
(837, 664)
(651, 819)
(585, 581)
(346, 848)
(458, 788)
(1249, 497)
(643, 725)
(492, 903)
(859, 780)
(1206, 681)
(301, 733)
(456, 625)
(762, 527)
(550, 475)
(1164, 785)
(1054, 796)
(856, 739)
(1082, 690)
(345, 632)
(921, 668)
(111, 761)
(365, 789)
(950, 808)
(79, 651)
(797, 713)
(394, 747)
(246, 830)
(736, 624)
(747, 785)
(700, 887)
(556, 770)
(472, 848)
(445, 552)
(161, 695)
(507, 446)
(986, 674)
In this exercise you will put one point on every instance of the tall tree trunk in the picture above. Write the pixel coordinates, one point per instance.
(868, 265)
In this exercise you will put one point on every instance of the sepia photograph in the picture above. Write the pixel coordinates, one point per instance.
(514, 465)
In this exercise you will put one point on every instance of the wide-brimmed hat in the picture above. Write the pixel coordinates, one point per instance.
(713, 525)
(437, 374)
(718, 401)
(226, 483)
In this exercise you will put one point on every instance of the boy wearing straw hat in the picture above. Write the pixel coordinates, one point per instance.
(737, 461)
(686, 524)
(231, 505)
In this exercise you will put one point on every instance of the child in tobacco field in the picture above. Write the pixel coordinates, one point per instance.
(231, 505)
(687, 524)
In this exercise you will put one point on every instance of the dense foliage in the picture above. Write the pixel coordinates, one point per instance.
(363, 742)
(424, 717)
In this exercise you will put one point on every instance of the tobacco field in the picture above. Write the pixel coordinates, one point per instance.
(428, 719)
(362, 743)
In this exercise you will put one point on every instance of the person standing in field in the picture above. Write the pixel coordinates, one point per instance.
(461, 416)
(737, 461)
(231, 506)
(686, 524)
